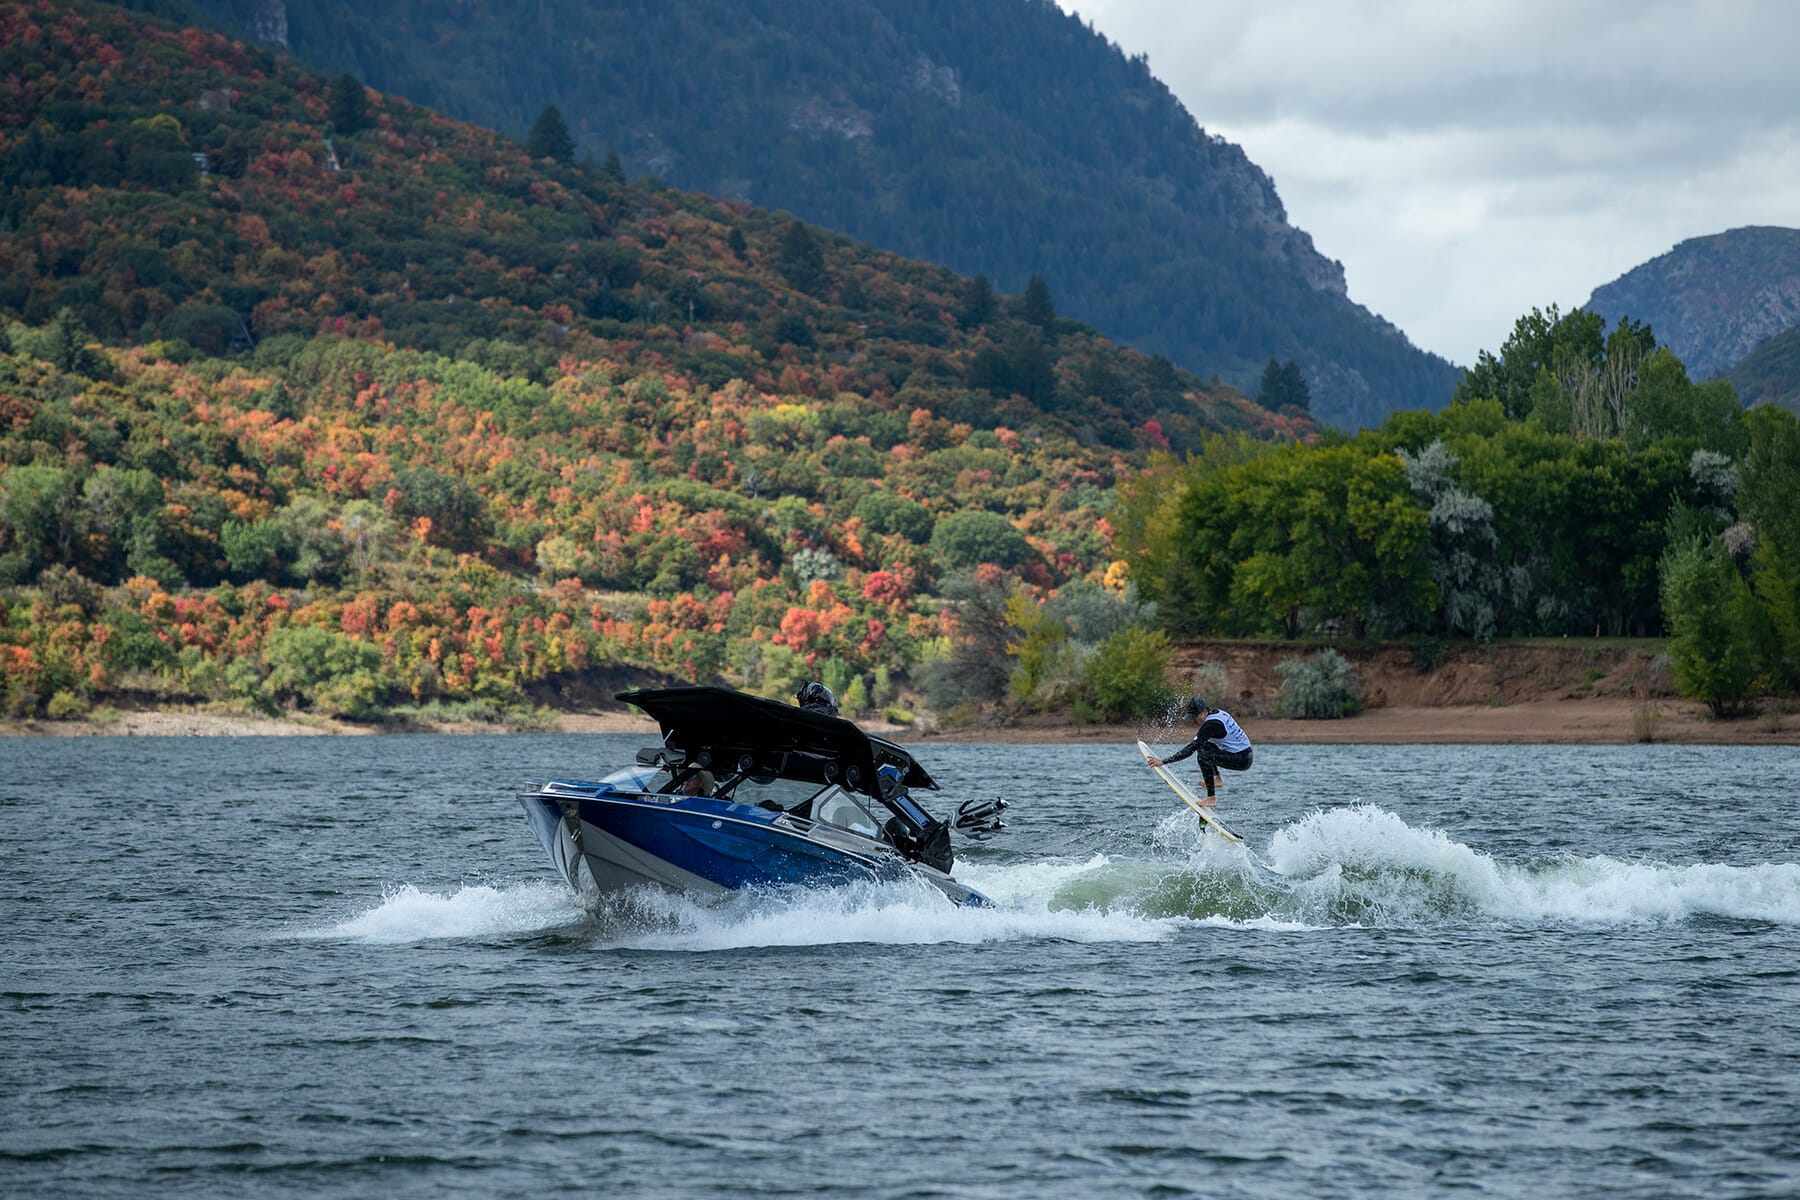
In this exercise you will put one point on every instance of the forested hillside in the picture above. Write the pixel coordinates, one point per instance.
(382, 410)
(1770, 374)
(1004, 138)
(1713, 300)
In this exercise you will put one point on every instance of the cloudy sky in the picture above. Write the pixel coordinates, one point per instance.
(1469, 160)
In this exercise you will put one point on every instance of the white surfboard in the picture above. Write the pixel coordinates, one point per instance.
(1187, 796)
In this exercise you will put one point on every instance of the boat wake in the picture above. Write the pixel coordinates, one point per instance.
(409, 914)
(1354, 866)
(1364, 865)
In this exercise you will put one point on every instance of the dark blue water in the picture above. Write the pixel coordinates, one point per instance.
(339, 966)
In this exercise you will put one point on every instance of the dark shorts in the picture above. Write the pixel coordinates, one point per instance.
(1211, 759)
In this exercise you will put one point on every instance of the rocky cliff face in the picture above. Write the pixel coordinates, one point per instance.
(1714, 299)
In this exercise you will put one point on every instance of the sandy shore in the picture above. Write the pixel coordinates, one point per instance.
(1595, 721)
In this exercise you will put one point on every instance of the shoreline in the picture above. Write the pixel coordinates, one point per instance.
(1598, 721)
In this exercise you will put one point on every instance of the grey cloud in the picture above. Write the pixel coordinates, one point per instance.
(1467, 160)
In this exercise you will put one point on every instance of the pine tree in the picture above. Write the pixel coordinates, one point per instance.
(349, 105)
(614, 169)
(1283, 385)
(549, 137)
(739, 247)
(1294, 385)
(1036, 306)
(1269, 394)
(800, 258)
(67, 347)
(976, 305)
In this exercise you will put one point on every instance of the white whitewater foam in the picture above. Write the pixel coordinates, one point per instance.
(407, 914)
(1374, 854)
(895, 914)
(892, 914)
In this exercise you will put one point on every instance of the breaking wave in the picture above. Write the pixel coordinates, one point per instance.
(1356, 866)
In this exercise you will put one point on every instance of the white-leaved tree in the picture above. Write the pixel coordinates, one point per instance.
(1473, 585)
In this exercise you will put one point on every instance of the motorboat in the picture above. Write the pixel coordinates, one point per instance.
(745, 792)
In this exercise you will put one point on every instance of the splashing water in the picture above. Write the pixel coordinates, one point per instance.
(1360, 865)
(1366, 864)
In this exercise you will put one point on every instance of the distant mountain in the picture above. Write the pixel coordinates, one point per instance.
(1770, 374)
(177, 186)
(1003, 137)
(1713, 300)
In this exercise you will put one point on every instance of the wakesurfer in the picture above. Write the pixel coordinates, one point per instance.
(1220, 742)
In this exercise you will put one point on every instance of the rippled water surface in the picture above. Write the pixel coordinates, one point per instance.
(342, 967)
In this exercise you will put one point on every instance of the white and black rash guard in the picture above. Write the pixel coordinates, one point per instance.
(1219, 728)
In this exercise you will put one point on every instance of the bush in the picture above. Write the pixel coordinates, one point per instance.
(1324, 686)
(1212, 681)
(1127, 677)
(338, 675)
(65, 706)
(1425, 654)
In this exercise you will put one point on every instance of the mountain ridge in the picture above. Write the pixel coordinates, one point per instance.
(1005, 139)
(1713, 299)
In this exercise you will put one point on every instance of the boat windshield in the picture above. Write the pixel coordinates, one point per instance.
(771, 792)
(846, 812)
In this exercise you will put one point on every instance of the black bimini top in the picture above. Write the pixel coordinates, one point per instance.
(779, 739)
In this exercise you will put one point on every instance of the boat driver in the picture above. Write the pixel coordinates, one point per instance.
(1219, 743)
(815, 697)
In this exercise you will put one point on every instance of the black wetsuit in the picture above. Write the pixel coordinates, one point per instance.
(1220, 743)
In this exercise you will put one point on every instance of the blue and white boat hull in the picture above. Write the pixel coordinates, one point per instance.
(606, 840)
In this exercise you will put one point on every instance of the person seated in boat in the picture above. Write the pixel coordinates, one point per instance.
(700, 783)
(815, 697)
(1220, 742)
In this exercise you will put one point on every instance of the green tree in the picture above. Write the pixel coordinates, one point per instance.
(884, 512)
(1284, 385)
(800, 258)
(66, 347)
(975, 536)
(1540, 341)
(349, 111)
(549, 137)
(254, 549)
(1718, 633)
(39, 519)
(614, 170)
(975, 303)
(1768, 498)
(1035, 306)
(116, 503)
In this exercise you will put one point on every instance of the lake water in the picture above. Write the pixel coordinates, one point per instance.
(341, 966)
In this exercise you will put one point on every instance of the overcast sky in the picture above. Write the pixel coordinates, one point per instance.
(1468, 160)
